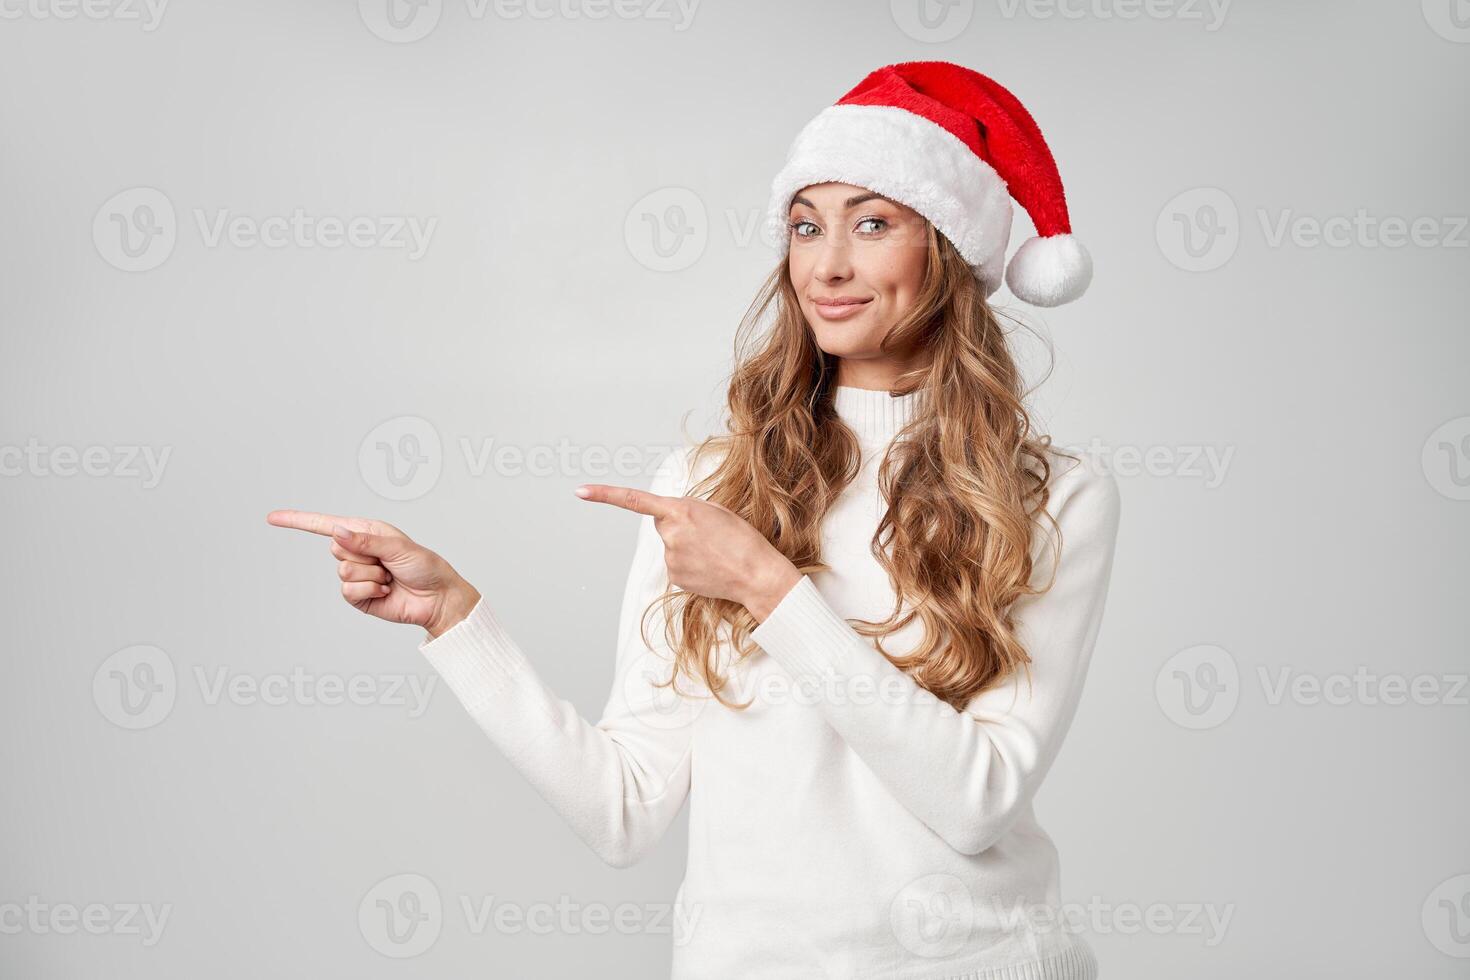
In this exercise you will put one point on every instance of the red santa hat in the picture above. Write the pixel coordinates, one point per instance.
(955, 146)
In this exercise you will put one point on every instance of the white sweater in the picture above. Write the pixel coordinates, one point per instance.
(848, 824)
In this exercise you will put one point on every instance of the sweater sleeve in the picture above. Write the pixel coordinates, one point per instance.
(966, 774)
(620, 782)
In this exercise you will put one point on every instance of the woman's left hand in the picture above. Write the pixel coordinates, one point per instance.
(708, 548)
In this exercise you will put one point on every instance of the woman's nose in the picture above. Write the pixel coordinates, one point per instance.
(834, 263)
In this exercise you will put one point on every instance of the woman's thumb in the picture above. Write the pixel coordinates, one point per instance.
(364, 543)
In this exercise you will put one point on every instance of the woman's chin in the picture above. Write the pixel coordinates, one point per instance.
(846, 347)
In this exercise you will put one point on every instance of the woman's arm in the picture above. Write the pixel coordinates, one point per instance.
(966, 774)
(618, 783)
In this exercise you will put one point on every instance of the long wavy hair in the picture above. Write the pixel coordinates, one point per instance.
(965, 481)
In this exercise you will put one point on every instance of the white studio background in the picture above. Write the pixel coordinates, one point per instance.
(533, 224)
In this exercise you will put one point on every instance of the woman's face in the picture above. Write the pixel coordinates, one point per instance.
(857, 261)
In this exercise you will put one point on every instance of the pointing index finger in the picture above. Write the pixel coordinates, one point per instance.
(628, 498)
(306, 520)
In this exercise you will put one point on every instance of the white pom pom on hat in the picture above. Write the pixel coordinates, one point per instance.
(1049, 271)
(958, 148)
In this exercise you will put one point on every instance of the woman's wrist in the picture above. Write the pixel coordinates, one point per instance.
(457, 604)
(770, 586)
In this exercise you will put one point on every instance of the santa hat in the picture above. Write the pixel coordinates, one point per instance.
(956, 147)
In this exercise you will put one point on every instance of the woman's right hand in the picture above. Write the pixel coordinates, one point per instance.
(385, 573)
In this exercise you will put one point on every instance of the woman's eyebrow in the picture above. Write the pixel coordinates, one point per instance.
(851, 202)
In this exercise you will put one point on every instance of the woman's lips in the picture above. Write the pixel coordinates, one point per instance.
(840, 311)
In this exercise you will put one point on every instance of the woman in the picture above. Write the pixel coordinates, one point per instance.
(860, 795)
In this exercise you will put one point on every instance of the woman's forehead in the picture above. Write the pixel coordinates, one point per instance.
(834, 195)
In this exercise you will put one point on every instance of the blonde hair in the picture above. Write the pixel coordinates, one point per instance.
(965, 480)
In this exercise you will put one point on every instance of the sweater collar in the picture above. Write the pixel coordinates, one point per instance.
(875, 415)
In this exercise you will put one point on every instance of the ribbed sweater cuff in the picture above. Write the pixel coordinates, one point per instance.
(476, 658)
(805, 635)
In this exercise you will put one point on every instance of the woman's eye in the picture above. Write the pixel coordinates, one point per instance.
(881, 224)
(799, 224)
